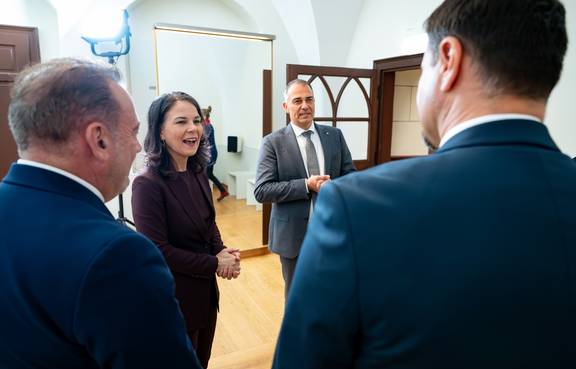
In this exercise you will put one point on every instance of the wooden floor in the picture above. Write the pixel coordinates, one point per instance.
(240, 225)
(251, 310)
(251, 307)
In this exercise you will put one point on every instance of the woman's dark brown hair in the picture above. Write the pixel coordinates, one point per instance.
(157, 155)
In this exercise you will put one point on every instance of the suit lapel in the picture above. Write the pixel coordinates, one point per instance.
(327, 146)
(180, 192)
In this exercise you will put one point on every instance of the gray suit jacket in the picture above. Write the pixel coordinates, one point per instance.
(281, 180)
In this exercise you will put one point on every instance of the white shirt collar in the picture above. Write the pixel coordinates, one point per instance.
(298, 131)
(63, 173)
(482, 120)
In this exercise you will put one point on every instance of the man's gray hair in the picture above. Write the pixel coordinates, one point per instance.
(296, 81)
(49, 101)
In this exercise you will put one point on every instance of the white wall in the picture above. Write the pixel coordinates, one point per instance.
(561, 113)
(298, 18)
(144, 14)
(383, 30)
(224, 14)
(336, 22)
(406, 125)
(35, 13)
(270, 20)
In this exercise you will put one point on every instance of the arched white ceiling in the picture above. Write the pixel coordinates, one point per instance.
(243, 12)
(321, 31)
(299, 21)
(336, 24)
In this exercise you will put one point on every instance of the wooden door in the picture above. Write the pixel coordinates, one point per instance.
(383, 105)
(266, 130)
(18, 48)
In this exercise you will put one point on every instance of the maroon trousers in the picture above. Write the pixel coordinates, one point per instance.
(202, 339)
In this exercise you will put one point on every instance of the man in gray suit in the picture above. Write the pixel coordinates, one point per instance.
(294, 163)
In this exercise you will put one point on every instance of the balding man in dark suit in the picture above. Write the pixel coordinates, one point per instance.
(77, 288)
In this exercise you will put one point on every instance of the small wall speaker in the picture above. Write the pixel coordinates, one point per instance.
(234, 144)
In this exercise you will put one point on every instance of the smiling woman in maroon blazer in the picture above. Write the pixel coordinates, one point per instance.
(172, 205)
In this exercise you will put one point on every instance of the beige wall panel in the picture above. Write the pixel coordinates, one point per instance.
(402, 103)
(407, 139)
(407, 77)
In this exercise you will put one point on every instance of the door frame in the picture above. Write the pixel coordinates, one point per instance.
(383, 104)
(266, 130)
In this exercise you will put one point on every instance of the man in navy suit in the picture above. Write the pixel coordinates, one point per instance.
(77, 288)
(465, 258)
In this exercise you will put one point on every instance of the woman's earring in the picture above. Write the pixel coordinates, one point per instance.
(163, 143)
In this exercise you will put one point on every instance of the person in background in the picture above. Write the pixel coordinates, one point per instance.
(209, 132)
(77, 288)
(465, 258)
(172, 205)
(294, 163)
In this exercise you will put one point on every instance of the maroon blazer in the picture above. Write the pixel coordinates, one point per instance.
(164, 211)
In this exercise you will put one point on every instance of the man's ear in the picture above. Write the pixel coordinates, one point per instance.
(285, 107)
(450, 60)
(98, 139)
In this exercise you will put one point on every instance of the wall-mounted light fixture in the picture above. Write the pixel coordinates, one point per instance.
(114, 46)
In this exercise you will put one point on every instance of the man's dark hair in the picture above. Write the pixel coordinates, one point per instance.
(49, 101)
(156, 152)
(518, 46)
